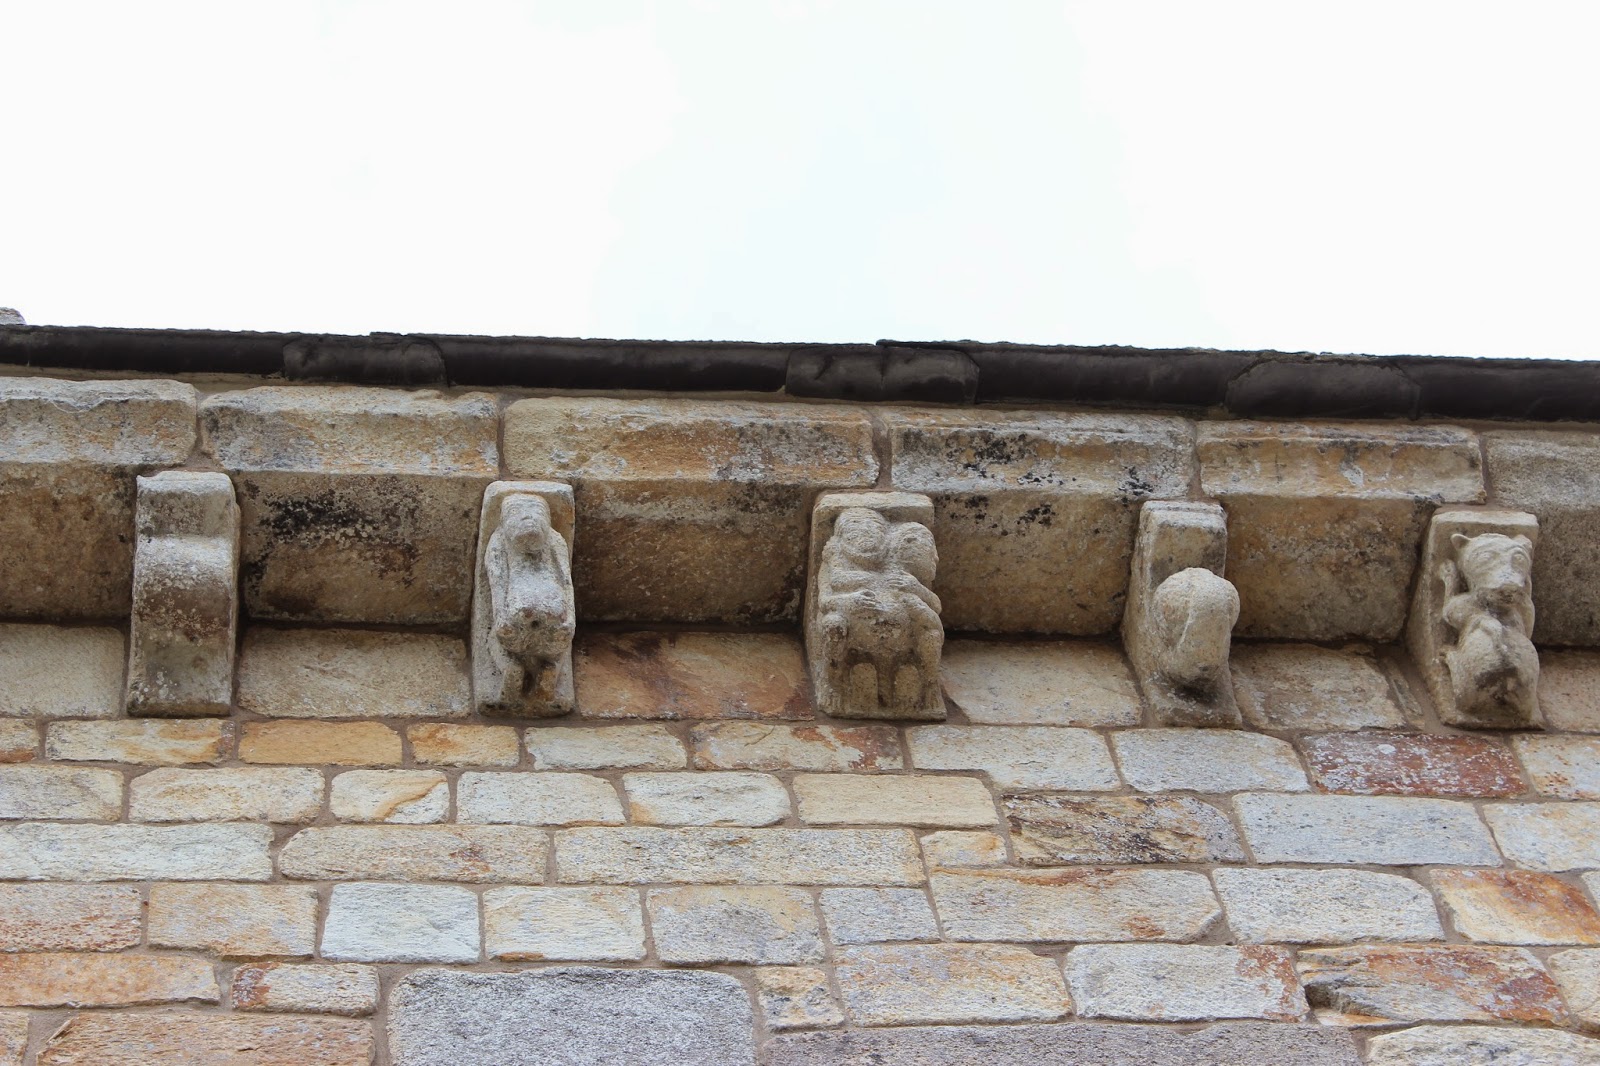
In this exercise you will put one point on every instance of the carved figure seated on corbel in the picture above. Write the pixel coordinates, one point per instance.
(1494, 668)
(1194, 613)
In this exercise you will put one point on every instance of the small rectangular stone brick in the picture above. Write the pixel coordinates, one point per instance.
(537, 799)
(647, 746)
(1061, 683)
(911, 983)
(352, 673)
(817, 748)
(103, 979)
(409, 797)
(1325, 906)
(1411, 764)
(1516, 907)
(56, 917)
(235, 921)
(401, 923)
(1569, 690)
(141, 743)
(1547, 836)
(449, 744)
(1049, 830)
(1363, 830)
(1019, 757)
(1074, 905)
(734, 924)
(193, 1039)
(19, 741)
(691, 675)
(954, 847)
(644, 855)
(703, 797)
(314, 988)
(1577, 974)
(1206, 760)
(922, 799)
(1562, 767)
(1445, 982)
(320, 744)
(52, 852)
(796, 997)
(232, 794)
(473, 854)
(584, 924)
(1141, 982)
(878, 915)
(59, 792)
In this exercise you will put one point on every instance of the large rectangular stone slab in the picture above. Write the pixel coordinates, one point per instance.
(894, 799)
(1325, 906)
(1052, 830)
(193, 1039)
(738, 856)
(43, 851)
(1325, 521)
(60, 671)
(103, 979)
(582, 924)
(1458, 1045)
(1443, 982)
(1034, 511)
(1548, 836)
(348, 673)
(69, 453)
(821, 748)
(690, 510)
(359, 505)
(467, 853)
(1022, 756)
(905, 984)
(691, 675)
(401, 923)
(1054, 682)
(50, 917)
(1361, 830)
(1184, 983)
(1073, 905)
(701, 924)
(574, 1016)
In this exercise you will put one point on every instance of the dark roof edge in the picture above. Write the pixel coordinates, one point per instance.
(1244, 384)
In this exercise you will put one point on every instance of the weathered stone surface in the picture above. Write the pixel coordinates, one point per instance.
(575, 1016)
(878, 915)
(796, 997)
(912, 799)
(69, 917)
(1073, 905)
(1445, 982)
(1325, 906)
(1577, 974)
(564, 924)
(69, 451)
(50, 852)
(953, 847)
(691, 675)
(537, 799)
(474, 854)
(248, 794)
(446, 744)
(60, 671)
(1047, 830)
(1377, 831)
(1071, 683)
(1225, 1044)
(1569, 690)
(621, 747)
(59, 792)
(1180, 983)
(659, 480)
(1481, 1045)
(1017, 756)
(702, 798)
(411, 797)
(1034, 511)
(734, 923)
(146, 743)
(359, 505)
(19, 741)
(1554, 475)
(1326, 520)
(820, 748)
(185, 616)
(1206, 760)
(13, 1037)
(401, 923)
(1411, 764)
(351, 673)
(320, 743)
(1547, 836)
(103, 979)
(1516, 907)
(235, 921)
(739, 856)
(315, 988)
(207, 1040)
(907, 984)
(1562, 767)
(1301, 686)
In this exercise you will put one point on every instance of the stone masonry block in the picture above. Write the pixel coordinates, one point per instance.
(537, 799)
(1206, 760)
(819, 748)
(909, 983)
(1411, 764)
(1444, 982)
(705, 798)
(408, 797)
(1547, 836)
(893, 799)
(143, 743)
(1480, 1045)
(796, 997)
(600, 924)
(1073, 905)
(1034, 512)
(194, 1039)
(235, 921)
(1569, 691)
(69, 453)
(1325, 521)
(359, 505)
(466, 853)
(690, 511)
(310, 987)
(1018, 756)
(1360, 830)
(1516, 907)
(46, 917)
(1181, 983)
(1064, 683)
(60, 671)
(645, 855)
(734, 923)
(1302, 686)
(59, 792)
(619, 747)
(243, 794)
(1562, 767)
(1051, 830)
(401, 923)
(39, 851)
(691, 675)
(878, 915)
(347, 673)
(102, 979)
(1325, 906)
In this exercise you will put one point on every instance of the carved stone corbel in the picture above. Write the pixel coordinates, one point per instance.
(523, 615)
(185, 595)
(1471, 624)
(1178, 626)
(873, 634)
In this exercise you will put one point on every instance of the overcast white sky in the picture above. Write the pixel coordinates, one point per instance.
(1398, 176)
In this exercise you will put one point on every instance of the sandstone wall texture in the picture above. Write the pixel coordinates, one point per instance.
(354, 867)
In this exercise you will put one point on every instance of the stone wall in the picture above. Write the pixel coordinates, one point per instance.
(696, 866)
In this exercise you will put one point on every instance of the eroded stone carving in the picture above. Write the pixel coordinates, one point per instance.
(522, 608)
(1471, 620)
(1178, 626)
(185, 595)
(873, 634)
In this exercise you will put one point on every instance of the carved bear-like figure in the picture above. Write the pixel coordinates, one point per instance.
(1494, 668)
(1194, 612)
(531, 617)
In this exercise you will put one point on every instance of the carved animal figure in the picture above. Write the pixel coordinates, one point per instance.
(1193, 613)
(878, 619)
(526, 566)
(1493, 665)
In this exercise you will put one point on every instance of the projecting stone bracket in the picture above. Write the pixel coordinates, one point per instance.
(185, 595)
(523, 616)
(1471, 623)
(1178, 625)
(873, 634)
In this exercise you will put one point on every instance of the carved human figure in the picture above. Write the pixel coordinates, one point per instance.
(1493, 666)
(531, 618)
(877, 619)
(1194, 612)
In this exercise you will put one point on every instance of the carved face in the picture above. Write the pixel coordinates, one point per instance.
(864, 535)
(914, 551)
(1495, 564)
(526, 522)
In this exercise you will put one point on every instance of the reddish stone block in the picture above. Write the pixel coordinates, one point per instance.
(1517, 907)
(1366, 985)
(1411, 764)
(691, 675)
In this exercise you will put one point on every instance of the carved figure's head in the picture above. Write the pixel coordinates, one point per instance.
(1195, 611)
(864, 535)
(525, 519)
(1497, 569)
(914, 552)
